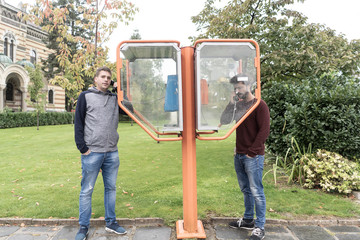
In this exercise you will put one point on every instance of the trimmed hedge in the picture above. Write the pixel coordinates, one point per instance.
(28, 119)
(322, 112)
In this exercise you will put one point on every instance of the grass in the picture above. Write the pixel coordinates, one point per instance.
(41, 173)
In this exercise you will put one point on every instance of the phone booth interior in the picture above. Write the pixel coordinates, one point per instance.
(151, 81)
(216, 64)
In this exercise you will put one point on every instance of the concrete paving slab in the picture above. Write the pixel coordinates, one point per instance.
(345, 232)
(66, 233)
(279, 237)
(226, 233)
(38, 230)
(310, 232)
(344, 229)
(148, 230)
(7, 230)
(348, 236)
(157, 233)
(34, 233)
(101, 234)
(28, 237)
(276, 229)
(278, 233)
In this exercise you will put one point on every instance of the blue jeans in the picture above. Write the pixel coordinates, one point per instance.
(249, 174)
(91, 164)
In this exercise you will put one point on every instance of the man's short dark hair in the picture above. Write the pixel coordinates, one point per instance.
(104, 68)
(240, 78)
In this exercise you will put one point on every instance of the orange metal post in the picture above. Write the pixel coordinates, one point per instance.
(190, 227)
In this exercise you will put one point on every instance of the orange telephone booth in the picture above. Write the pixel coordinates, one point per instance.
(179, 95)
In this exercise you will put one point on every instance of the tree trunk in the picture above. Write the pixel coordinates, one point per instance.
(37, 119)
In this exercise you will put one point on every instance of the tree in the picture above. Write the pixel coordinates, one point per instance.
(38, 99)
(51, 66)
(135, 35)
(291, 49)
(72, 26)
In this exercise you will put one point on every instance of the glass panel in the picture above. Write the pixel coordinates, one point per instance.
(221, 69)
(151, 79)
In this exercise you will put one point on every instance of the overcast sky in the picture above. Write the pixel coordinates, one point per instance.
(171, 19)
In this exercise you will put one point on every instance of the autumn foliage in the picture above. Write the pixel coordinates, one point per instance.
(79, 55)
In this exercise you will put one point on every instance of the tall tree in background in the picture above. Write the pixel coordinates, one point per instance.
(51, 66)
(291, 49)
(71, 25)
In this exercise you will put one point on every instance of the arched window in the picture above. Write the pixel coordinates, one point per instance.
(6, 46)
(12, 50)
(33, 57)
(51, 96)
(9, 92)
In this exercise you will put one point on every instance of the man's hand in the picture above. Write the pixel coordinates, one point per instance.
(87, 152)
(232, 95)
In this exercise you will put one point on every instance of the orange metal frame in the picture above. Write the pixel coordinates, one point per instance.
(257, 90)
(121, 93)
(190, 227)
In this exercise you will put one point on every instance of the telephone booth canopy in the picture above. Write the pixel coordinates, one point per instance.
(151, 81)
(217, 62)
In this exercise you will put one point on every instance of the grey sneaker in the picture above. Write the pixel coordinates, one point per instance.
(115, 228)
(257, 234)
(82, 233)
(241, 223)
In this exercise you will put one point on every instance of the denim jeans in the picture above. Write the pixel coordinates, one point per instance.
(91, 164)
(249, 174)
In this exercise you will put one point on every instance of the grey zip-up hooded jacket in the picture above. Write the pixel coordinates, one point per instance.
(96, 121)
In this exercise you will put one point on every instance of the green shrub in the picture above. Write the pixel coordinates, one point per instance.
(27, 119)
(331, 172)
(323, 112)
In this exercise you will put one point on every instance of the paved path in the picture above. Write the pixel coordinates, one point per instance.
(148, 229)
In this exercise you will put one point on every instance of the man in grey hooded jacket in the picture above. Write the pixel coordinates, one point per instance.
(96, 137)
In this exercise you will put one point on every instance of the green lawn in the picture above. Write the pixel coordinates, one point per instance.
(41, 173)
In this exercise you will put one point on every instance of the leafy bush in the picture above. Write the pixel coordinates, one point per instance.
(292, 164)
(27, 119)
(323, 112)
(331, 172)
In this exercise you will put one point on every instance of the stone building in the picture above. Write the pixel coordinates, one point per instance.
(21, 44)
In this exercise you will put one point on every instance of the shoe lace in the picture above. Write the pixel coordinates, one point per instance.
(114, 225)
(239, 222)
(257, 232)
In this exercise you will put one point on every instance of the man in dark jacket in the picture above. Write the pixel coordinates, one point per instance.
(96, 137)
(250, 149)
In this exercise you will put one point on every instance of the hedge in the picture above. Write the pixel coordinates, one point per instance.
(28, 119)
(322, 112)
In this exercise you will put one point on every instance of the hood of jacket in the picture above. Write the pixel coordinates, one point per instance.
(106, 94)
